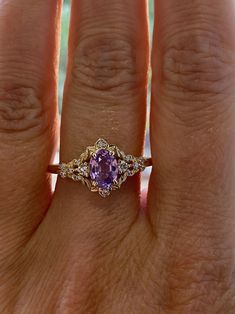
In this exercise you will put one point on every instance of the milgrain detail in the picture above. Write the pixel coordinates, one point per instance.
(21, 110)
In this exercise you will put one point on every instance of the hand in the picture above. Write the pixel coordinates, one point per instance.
(74, 252)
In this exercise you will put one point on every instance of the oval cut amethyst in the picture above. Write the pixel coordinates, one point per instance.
(103, 169)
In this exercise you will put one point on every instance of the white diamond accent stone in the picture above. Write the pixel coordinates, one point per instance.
(141, 161)
(104, 193)
(129, 158)
(136, 166)
(122, 166)
(63, 170)
(62, 167)
(83, 169)
(131, 172)
(63, 174)
(101, 143)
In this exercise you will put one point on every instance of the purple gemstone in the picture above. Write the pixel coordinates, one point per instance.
(103, 169)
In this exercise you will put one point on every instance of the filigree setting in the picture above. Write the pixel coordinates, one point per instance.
(102, 168)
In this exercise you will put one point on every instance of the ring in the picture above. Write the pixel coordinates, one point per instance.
(102, 167)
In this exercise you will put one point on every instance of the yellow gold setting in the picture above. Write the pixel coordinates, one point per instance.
(81, 169)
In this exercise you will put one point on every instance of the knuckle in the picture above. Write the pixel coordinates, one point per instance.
(21, 110)
(197, 72)
(197, 63)
(106, 64)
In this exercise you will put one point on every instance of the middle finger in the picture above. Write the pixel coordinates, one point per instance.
(106, 86)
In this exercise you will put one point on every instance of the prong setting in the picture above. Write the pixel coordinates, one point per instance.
(104, 157)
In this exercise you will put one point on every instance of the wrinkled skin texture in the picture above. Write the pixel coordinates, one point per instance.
(170, 250)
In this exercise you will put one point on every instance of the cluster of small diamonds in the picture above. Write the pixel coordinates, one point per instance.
(131, 165)
(74, 170)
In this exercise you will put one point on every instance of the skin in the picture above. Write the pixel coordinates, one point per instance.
(71, 251)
